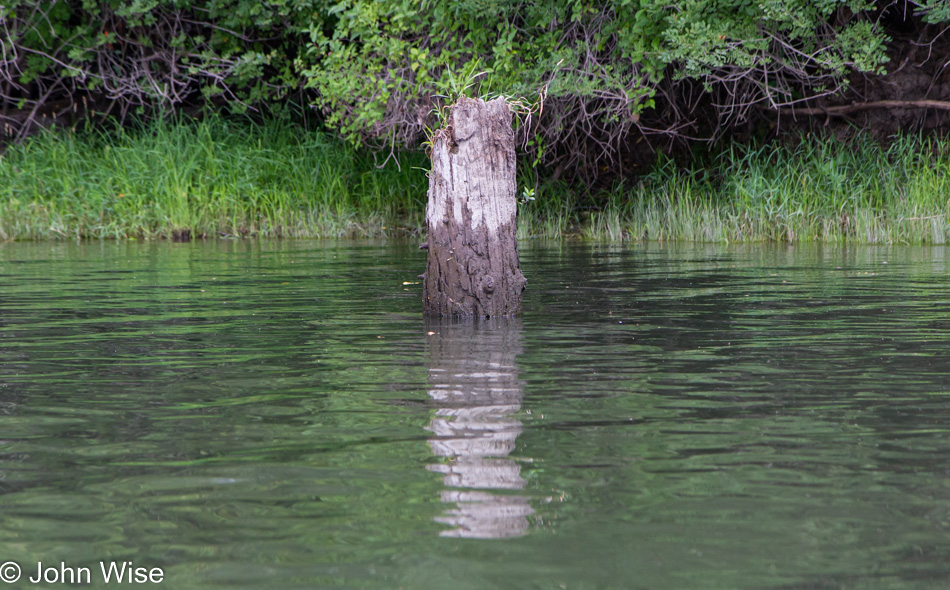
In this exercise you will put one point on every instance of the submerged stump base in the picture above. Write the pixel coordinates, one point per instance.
(473, 269)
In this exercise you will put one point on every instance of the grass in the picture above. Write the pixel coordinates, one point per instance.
(203, 178)
(816, 191)
(225, 178)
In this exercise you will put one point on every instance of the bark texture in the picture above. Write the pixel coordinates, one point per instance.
(473, 269)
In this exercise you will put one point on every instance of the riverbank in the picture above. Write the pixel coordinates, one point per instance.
(210, 178)
(182, 180)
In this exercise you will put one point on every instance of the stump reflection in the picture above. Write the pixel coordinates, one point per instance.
(473, 380)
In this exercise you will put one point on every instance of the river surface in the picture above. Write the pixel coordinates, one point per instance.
(278, 415)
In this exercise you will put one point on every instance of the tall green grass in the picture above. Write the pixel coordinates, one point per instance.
(217, 177)
(203, 178)
(816, 191)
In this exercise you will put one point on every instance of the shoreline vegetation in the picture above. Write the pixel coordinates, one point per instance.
(218, 178)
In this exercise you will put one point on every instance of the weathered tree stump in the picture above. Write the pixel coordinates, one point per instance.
(473, 268)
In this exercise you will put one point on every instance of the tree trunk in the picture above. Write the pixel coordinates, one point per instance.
(473, 269)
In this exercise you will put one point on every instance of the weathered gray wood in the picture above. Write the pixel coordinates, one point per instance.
(473, 269)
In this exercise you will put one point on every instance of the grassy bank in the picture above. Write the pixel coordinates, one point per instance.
(208, 178)
(819, 190)
(218, 178)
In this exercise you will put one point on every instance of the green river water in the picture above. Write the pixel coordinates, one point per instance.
(278, 415)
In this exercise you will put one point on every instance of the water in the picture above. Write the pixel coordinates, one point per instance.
(279, 415)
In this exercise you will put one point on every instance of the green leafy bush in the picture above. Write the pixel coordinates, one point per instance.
(603, 74)
(149, 54)
(607, 70)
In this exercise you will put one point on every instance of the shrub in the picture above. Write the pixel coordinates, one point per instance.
(610, 72)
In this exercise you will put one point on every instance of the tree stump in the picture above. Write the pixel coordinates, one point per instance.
(473, 268)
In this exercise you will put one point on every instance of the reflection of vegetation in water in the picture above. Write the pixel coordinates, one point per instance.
(256, 413)
(779, 409)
